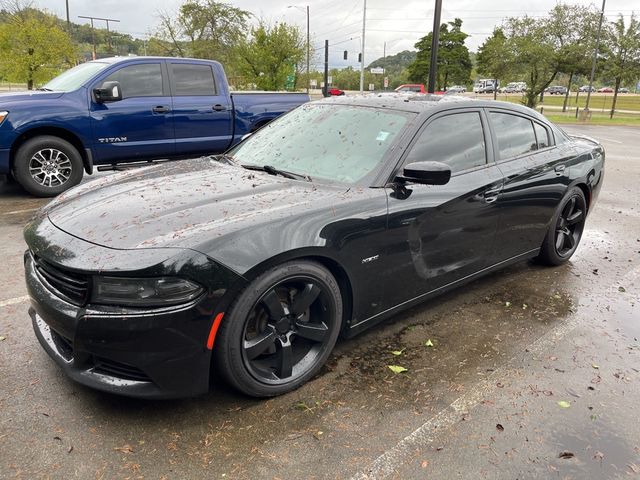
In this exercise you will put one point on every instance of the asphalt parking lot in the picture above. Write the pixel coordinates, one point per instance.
(531, 372)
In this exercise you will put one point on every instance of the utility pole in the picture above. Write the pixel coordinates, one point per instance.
(435, 39)
(68, 20)
(308, 52)
(364, 27)
(593, 64)
(325, 89)
(93, 34)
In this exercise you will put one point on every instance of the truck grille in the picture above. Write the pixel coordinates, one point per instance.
(71, 286)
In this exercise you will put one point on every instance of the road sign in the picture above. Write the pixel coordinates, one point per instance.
(372, 87)
(378, 70)
(330, 80)
(386, 82)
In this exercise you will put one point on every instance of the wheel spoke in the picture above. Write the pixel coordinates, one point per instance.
(256, 346)
(568, 209)
(274, 307)
(285, 360)
(304, 299)
(559, 240)
(570, 240)
(574, 218)
(312, 331)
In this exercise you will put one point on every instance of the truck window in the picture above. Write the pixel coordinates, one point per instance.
(143, 80)
(192, 80)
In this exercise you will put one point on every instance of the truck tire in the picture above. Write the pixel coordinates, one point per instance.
(46, 166)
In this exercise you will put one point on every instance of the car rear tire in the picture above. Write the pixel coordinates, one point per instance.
(565, 230)
(280, 330)
(46, 166)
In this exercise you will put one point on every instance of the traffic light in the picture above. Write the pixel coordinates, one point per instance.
(359, 58)
(344, 55)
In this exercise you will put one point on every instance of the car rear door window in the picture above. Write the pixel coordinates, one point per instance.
(193, 80)
(456, 139)
(142, 80)
(542, 135)
(515, 134)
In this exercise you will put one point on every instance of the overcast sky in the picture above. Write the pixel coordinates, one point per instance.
(398, 23)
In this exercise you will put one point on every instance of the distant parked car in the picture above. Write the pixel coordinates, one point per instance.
(514, 87)
(456, 89)
(623, 90)
(605, 90)
(334, 92)
(412, 87)
(556, 90)
(585, 88)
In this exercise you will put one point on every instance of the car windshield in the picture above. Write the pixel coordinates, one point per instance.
(338, 143)
(72, 79)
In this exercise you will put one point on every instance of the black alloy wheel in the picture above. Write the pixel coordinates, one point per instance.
(280, 330)
(566, 228)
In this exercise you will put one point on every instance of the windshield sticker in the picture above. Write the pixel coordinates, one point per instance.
(382, 136)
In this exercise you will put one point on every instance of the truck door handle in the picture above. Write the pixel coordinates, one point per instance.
(219, 108)
(160, 109)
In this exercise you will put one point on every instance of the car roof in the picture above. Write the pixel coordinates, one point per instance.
(423, 102)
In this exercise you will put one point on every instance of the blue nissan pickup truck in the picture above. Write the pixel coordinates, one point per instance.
(121, 110)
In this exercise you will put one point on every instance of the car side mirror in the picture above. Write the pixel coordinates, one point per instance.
(108, 92)
(428, 173)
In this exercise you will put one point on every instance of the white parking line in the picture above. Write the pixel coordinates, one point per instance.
(14, 212)
(13, 301)
(392, 459)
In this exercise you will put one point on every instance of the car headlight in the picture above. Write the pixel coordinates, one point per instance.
(3, 115)
(147, 292)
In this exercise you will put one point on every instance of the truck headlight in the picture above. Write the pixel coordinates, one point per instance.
(143, 292)
(3, 115)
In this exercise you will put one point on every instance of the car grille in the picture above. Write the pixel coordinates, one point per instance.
(72, 286)
(119, 370)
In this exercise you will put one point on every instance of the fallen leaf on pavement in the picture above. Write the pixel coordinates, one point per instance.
(397, 352)
(564, 404)
(565, 454)
(124, 449)
(428, 343)
(397, 368)
(499, 427)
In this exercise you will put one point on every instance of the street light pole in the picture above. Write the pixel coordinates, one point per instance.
(308, 44)
(364, 25)
(595, 59)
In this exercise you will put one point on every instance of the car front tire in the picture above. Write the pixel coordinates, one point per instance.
(280, 330)
(46, 166)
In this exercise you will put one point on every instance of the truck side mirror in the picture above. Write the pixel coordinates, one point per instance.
(108, 92)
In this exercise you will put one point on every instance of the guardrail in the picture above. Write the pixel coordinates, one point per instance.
(12, 87)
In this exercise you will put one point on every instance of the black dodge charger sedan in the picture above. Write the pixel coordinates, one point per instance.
(325, 222)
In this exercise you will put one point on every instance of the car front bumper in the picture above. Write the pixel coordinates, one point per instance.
(146, 353)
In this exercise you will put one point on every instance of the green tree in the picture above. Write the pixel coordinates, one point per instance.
(454, 64)
(271, 55)
(202, 29)
(494, 59)
(573, 28)
(33, 48)
(622, 54)
(532, 53)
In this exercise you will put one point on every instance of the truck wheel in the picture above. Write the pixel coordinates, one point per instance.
(46, 166)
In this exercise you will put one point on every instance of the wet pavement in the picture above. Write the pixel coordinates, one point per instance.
(531, 372)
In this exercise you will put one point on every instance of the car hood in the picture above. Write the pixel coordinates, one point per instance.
(16, 97)
(181, 204)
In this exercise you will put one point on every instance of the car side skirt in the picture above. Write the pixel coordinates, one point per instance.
(371, 321)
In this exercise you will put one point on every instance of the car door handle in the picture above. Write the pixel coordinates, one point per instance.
(160, 109)
(219, 108)
(560, 169)
(491, 195)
